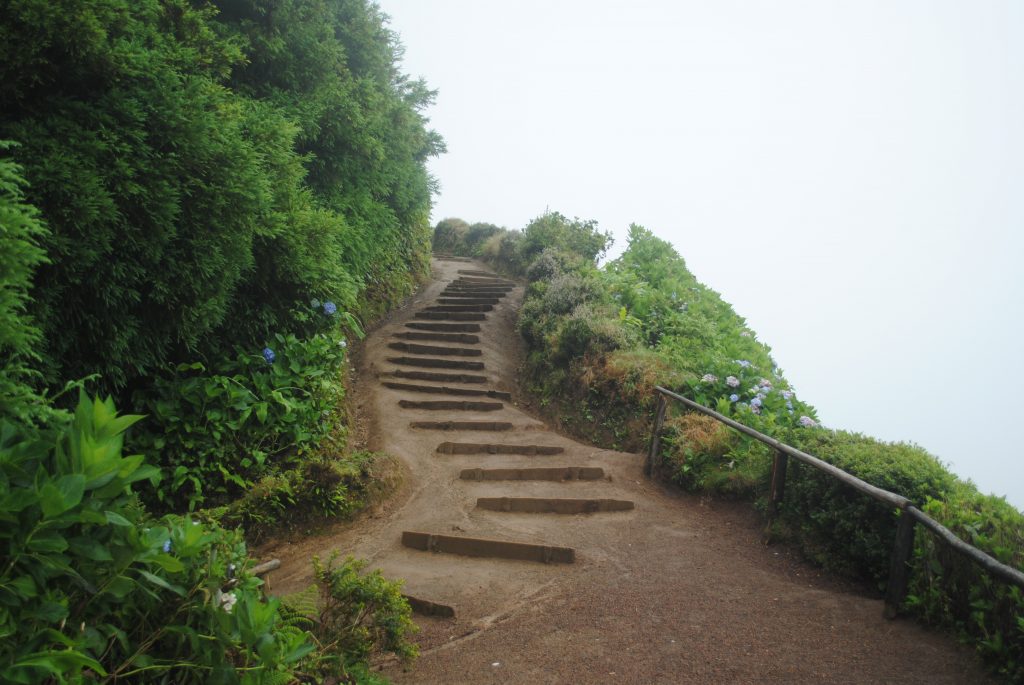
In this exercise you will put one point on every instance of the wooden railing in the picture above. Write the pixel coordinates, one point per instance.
(899, 564)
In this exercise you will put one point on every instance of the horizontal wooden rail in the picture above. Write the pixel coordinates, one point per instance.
(903, 547)
(878, 493)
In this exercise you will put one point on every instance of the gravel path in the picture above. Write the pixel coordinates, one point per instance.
(675, 590)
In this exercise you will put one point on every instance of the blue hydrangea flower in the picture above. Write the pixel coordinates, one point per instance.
(709, 378)
(756, 408)
(330, 308)
(167, 546)
(732, 382)
(788, 394)
(269, 355)
(789, 406)
(734, 397)
(807, 422)
(756, 402)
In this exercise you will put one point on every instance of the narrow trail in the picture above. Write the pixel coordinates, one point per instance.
(615, 579)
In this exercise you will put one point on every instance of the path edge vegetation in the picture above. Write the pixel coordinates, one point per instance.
(202, 204)
(599, 338)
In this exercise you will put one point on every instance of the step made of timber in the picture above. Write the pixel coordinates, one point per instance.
(427, 363)
(552, 505)
(424, 607)
(484, 281)
(442, 390)
(481, 547)
(435, 349)
(459, 308)
(467, 300)
(463, 338)
(456, 316)
(477, 272)
(474, 448)
(449, 258)
(466, 288)
(451, 405)
(470, 296)
(462, 425)
(438, 377)
(444, 327)
(557, 473)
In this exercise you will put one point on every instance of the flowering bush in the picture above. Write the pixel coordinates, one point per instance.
(215, 431)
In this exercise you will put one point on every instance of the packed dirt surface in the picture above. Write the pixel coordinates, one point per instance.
(659, 586)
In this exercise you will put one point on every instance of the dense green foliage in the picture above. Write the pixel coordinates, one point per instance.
(600, 338)
(20, 232)
(203, 168)
(201, 201)
(94, 588)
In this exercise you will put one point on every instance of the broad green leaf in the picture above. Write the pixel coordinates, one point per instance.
(160, 582)
(58, 496)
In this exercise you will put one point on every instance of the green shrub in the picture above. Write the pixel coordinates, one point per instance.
(360, 614)
(205, 168)
(214, 432)
(92, 585)
(841, 528)
(450, 235)
(20, 254)
(948, 590)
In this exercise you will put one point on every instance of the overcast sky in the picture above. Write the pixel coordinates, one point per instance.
(849, 175)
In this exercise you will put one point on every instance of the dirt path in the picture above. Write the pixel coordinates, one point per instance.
(661, 587)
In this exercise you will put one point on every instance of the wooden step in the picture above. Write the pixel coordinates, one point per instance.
(464, 338)
(482, 547)
(436, 349)
(462, 294)
(451, 258)
(455, 316)
(556, 473)
(477, 272)
(462, 425)
(468, 300)
(444, 327)
(474, 280)
(469, 288)
(437, 377)
(477, 448)
(451, 308)
(552, 505)
(424, 607)
(442, 390)
(451, 405)
(427, 363)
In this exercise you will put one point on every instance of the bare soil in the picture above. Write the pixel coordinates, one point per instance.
(679, 589)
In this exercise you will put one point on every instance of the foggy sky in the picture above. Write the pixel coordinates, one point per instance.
(847, 174)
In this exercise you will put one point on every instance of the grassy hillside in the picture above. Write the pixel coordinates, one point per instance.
(599, 340)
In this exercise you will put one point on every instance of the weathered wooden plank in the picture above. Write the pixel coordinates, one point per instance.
(491, 448)
(428, 363)
(451, 405)
(482, 547)
(555, 473)
(553, 505)
(444, 351)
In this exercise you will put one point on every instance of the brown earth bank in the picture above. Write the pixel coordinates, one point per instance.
(662, 587)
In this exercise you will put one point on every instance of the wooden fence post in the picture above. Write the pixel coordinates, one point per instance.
(651, 468)
(778, 486)
(899, 565)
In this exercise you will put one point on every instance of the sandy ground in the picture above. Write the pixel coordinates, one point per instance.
(677, 590)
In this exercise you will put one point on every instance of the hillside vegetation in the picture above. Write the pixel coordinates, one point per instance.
(599, 339)
(200, 202)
